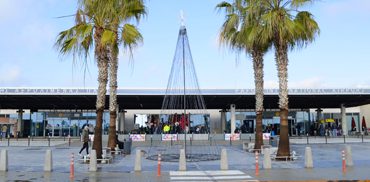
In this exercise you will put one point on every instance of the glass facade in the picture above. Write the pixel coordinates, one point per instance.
(56, 123)
(64, 123)
(155, 123)
(299, 123)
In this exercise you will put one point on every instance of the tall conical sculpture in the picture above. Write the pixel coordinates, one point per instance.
(183, 91)
(184, 112)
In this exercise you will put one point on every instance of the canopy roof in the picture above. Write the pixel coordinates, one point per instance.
(79, 98)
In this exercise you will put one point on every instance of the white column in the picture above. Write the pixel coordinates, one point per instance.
(44, 123)
(214, 121)
(129, 120)
(232, 121)
(117, 118)
(344, 120)
(223, 120)
(121, 121)
(52, 129)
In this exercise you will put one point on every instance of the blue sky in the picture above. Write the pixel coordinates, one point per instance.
(339, 58)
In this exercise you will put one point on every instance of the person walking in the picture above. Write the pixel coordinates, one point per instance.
(85, 140)
(4, 131)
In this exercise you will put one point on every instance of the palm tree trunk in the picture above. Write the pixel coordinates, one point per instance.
(113, 95)
(282, 65)
(101, 55)
(258, 81)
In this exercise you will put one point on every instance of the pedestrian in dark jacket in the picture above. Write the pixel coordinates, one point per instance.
(85, 140)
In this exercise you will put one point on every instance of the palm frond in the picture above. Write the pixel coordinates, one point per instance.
(108, 38)
(130, 37)
(295, 4)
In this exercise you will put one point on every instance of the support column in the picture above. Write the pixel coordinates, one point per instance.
(117, 118)
(344, 119)
(129, 120)
(122, 121)
(318, 117)
(44, 123)
(232, 121)
(223, 120)
(20, 123)
(309, 121)
(214, 121)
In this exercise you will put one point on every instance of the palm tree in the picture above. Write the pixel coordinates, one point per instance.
(122, 12)
(103, 19)
(241, 32)
(287, 27)
(90, 30)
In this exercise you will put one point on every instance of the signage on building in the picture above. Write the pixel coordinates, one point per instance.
(169, 137)
(137, 137)
(235, 136)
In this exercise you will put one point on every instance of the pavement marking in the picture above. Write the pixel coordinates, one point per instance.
(203, 176)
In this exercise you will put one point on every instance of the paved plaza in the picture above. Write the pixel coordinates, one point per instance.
(26, 164)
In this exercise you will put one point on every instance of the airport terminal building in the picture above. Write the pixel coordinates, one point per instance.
(63, 111)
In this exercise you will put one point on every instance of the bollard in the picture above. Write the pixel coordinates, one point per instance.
(191, 141)
(250, 138)
(224, 162)
(29, 140)
(230, 140)
(171, 139)
(48, 163)
(137, 167)
(326, 139)
(49, 141)
(307, 139)
(344, 138)
(151, 140)
(362, 137)
(348, 152)
(182, 160)
(159, 165)
(69, 140)
(72, 167)
(93, 161)
(308, 161)
(257, 170)
(4, 160)
(343, 161)
(8, 141)
(266, 158)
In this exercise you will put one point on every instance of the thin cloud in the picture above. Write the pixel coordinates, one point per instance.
(9, 74)
(335, 8)
(271, 84)
(7, 9)
(306, 83)
(362, 85)
(37, 35)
